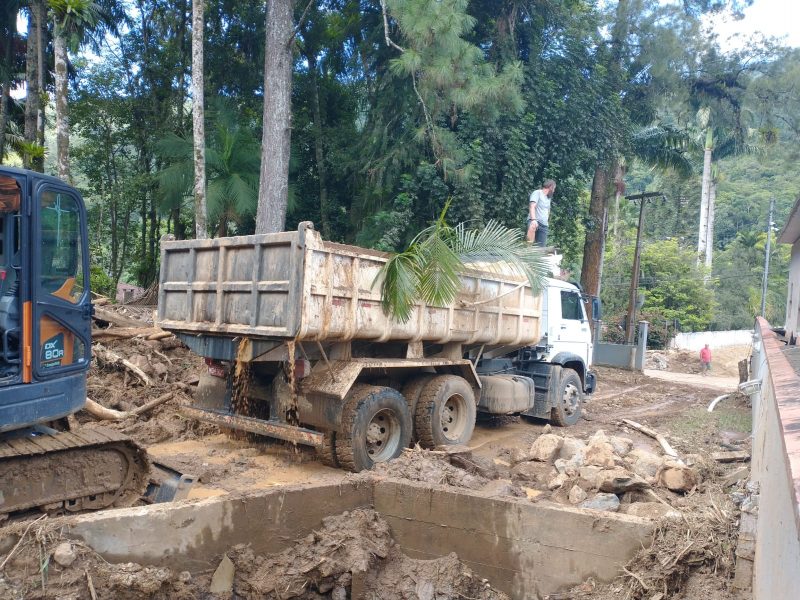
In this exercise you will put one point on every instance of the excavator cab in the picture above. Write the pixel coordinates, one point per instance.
(45, 306)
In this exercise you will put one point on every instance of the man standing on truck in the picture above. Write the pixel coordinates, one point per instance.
(539, 212)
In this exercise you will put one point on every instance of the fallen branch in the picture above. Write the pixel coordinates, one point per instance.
(109, 414)
(129, 332)
(668, 450)
(106, 356)
(109, 316)
(159, 335)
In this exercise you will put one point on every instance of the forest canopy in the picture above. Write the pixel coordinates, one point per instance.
(369, 117)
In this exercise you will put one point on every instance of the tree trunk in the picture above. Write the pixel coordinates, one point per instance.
(619, 188)
(594, 246)
(709, 249)
(319, 149)
(705, 187)
(32, 96)
(273, 188)
(198, 121)
(6, 94)
(41, 44)
(62, 119)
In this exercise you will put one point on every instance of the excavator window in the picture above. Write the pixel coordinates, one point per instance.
(61, 261)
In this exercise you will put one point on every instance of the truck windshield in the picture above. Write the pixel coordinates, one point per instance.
(61, 261)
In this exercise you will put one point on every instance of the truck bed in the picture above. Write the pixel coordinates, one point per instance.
(295, 286)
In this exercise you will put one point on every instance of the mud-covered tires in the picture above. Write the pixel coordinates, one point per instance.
(445, 413)
(375, 427)
(568, 399)
(327, 452)
(412, 390)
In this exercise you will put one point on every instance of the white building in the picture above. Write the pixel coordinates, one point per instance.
(791, 235)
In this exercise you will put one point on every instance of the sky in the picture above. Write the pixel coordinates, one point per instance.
(774, 18)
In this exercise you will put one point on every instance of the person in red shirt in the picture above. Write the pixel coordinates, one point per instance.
(705, 360)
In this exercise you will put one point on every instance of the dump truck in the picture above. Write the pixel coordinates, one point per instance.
(299, 347)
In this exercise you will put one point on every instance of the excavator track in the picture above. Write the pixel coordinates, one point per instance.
(71, 471)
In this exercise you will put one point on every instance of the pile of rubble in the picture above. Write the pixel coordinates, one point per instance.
(605, 472)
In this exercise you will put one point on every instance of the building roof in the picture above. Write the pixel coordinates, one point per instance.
(791, 231)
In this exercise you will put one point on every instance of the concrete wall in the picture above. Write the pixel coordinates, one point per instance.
(792, 323)
(776, 468)
(715, 339)
(522, 548)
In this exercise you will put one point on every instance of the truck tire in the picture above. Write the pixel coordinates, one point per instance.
(411, 392)
(327, 452)
(568, 399)
(376, 426)
(445, 413)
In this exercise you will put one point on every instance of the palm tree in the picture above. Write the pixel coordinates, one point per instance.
(198, 121)
(429, 269)
(232, 162)
(73, 20)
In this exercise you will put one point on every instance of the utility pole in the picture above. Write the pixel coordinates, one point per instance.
(766, 259)
(630, 327)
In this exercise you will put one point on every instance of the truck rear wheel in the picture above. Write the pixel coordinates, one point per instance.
(568, 399)
(327, 452)
(376, 426)
(445, 413)
(411, 392)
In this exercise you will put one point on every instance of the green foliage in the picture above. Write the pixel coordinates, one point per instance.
(101, 283)
(429, 269)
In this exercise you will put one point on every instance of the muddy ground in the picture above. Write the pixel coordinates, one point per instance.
(692, 557)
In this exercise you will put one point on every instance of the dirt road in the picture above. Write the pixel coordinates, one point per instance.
(723, 384)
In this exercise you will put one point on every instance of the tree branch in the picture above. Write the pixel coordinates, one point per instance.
(389, 41)
(300, 23)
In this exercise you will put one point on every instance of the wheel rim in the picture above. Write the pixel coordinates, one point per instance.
(383, 436)
(454, 417)
(571, 399)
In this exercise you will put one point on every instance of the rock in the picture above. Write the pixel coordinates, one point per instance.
(339, 593)
(160, 369)
(736, 476)
(557, 481)
(649, 510)
(547, 428)
(529, 471)
(677, 477)
(560, 465)
(600, 454)
(570, 447)
(598, 437)
(518, 455)
(587, 477)
(546, 447)
(531, 493)
(576, 495)
(184, 576)
(476, 465)
(64, 554)
(222, 580)
(576, 462)
(622, 445)
(607, 502)
(502, 487)
(619, 480)
(643, 462)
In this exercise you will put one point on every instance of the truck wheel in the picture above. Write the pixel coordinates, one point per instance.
(445, 413)
(568, 399)
(411, 392)
(327, 452)
(376, 426)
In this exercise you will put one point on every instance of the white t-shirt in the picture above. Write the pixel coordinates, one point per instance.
(542, 206)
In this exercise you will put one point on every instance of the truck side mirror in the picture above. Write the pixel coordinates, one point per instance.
(596, 313)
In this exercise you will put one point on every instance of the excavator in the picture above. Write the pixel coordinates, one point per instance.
(45, 352)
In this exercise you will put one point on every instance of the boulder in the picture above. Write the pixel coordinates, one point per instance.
(576, 495)
(643, 462)
(222, 580)
(619, 481)
(547, 428)
(64, 554)
(570, 447)
(587, 477)
(530, 471)
(546, 447)
(622, 445)
(649, 510)
(598, 437)
(677, 477)
(518, 455)
(557, 481)
(560, 465)
(607, 502)
(600, 454)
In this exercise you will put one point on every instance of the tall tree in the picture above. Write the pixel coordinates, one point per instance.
(273, 189)
(33, 152)
(198, 121)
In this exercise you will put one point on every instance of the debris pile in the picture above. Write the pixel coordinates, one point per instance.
(351, 556)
